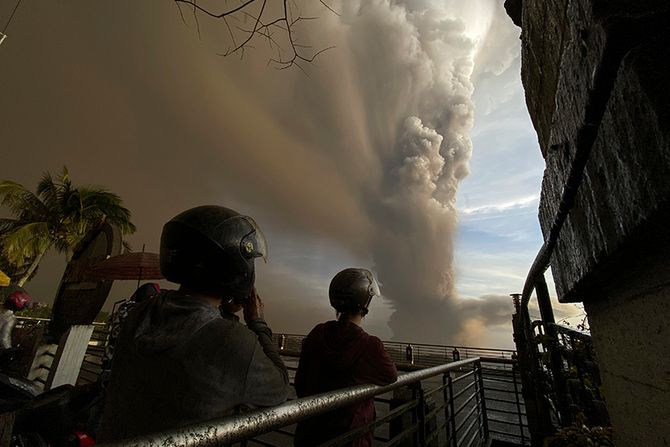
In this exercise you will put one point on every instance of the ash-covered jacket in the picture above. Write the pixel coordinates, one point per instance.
(179, 361)
(336, 355)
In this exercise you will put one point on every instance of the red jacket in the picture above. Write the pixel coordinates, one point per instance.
(337, 355)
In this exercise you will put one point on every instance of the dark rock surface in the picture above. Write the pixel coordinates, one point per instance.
(596, 79)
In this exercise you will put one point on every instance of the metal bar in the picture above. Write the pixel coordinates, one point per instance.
(500, 421)
(464, 390)
(511, 435)
(435, 432)
(467, 417)
(452, 411)
(468, 430)
(463, 376)
(467, 401)
(472, 439)
(434, 412)
(370, 426)
(445, 396)
(421, 414)
(499, 390)
(502, 401)
(396, 411)
(433, 391)
(263, 443)
(495, 410)
(496, 379)
(518, 405)
(401, 436)
(485, 426)
(284, 432)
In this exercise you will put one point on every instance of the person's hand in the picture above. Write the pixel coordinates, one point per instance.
(253, 308)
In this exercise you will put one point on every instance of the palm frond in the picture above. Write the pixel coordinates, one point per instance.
(25, 242)
(22, 203)
(48, 191)
(101, 204)
(7, 224)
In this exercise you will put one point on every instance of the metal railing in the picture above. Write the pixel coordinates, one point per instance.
(445, 405)
(444, 402)
(578, 372)
(418, 354)
(504, 401)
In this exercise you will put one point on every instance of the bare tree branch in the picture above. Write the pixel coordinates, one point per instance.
(329, 8)
(276, 26)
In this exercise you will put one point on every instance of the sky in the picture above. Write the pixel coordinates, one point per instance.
(406, 148)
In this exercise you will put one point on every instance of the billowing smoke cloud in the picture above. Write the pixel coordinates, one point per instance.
(390, 110)
(414, 61)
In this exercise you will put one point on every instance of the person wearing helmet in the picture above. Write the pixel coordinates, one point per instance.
(15, 301)
(183, 356)
(340, 353)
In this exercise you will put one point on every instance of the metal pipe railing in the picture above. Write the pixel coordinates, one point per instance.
(493, 352)
(245, 426)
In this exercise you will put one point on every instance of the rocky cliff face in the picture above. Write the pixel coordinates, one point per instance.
(596, 79)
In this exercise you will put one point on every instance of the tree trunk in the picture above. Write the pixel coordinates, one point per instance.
(32, 268)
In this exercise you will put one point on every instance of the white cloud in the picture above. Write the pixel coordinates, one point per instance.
(530, 201)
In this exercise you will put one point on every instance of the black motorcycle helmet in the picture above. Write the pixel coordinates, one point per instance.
(352, 290)
(212, 249)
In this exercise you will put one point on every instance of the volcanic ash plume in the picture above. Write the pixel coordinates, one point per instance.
(378, 141)
(414, 64)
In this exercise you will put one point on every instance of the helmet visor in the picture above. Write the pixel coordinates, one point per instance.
(253, 244)
(374, 287)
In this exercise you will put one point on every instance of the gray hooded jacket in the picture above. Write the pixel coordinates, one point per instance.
(179, 361)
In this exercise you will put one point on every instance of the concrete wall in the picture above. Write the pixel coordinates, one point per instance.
(629, 325)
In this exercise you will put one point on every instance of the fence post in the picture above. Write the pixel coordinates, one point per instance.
(419, 414)
(518, 406)
(479, 376)
(445, 394)
(452, 411)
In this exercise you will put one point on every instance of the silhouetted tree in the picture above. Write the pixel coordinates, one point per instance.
(58, 216)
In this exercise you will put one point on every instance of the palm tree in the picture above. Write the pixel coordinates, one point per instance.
(58, 216)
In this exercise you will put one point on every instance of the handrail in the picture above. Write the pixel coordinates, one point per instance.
(404, 343)
(24, 318)
(237, 428)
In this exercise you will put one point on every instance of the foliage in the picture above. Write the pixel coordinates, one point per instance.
(579, 435)
(58, 216)
(14, 271)
(38, 310)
